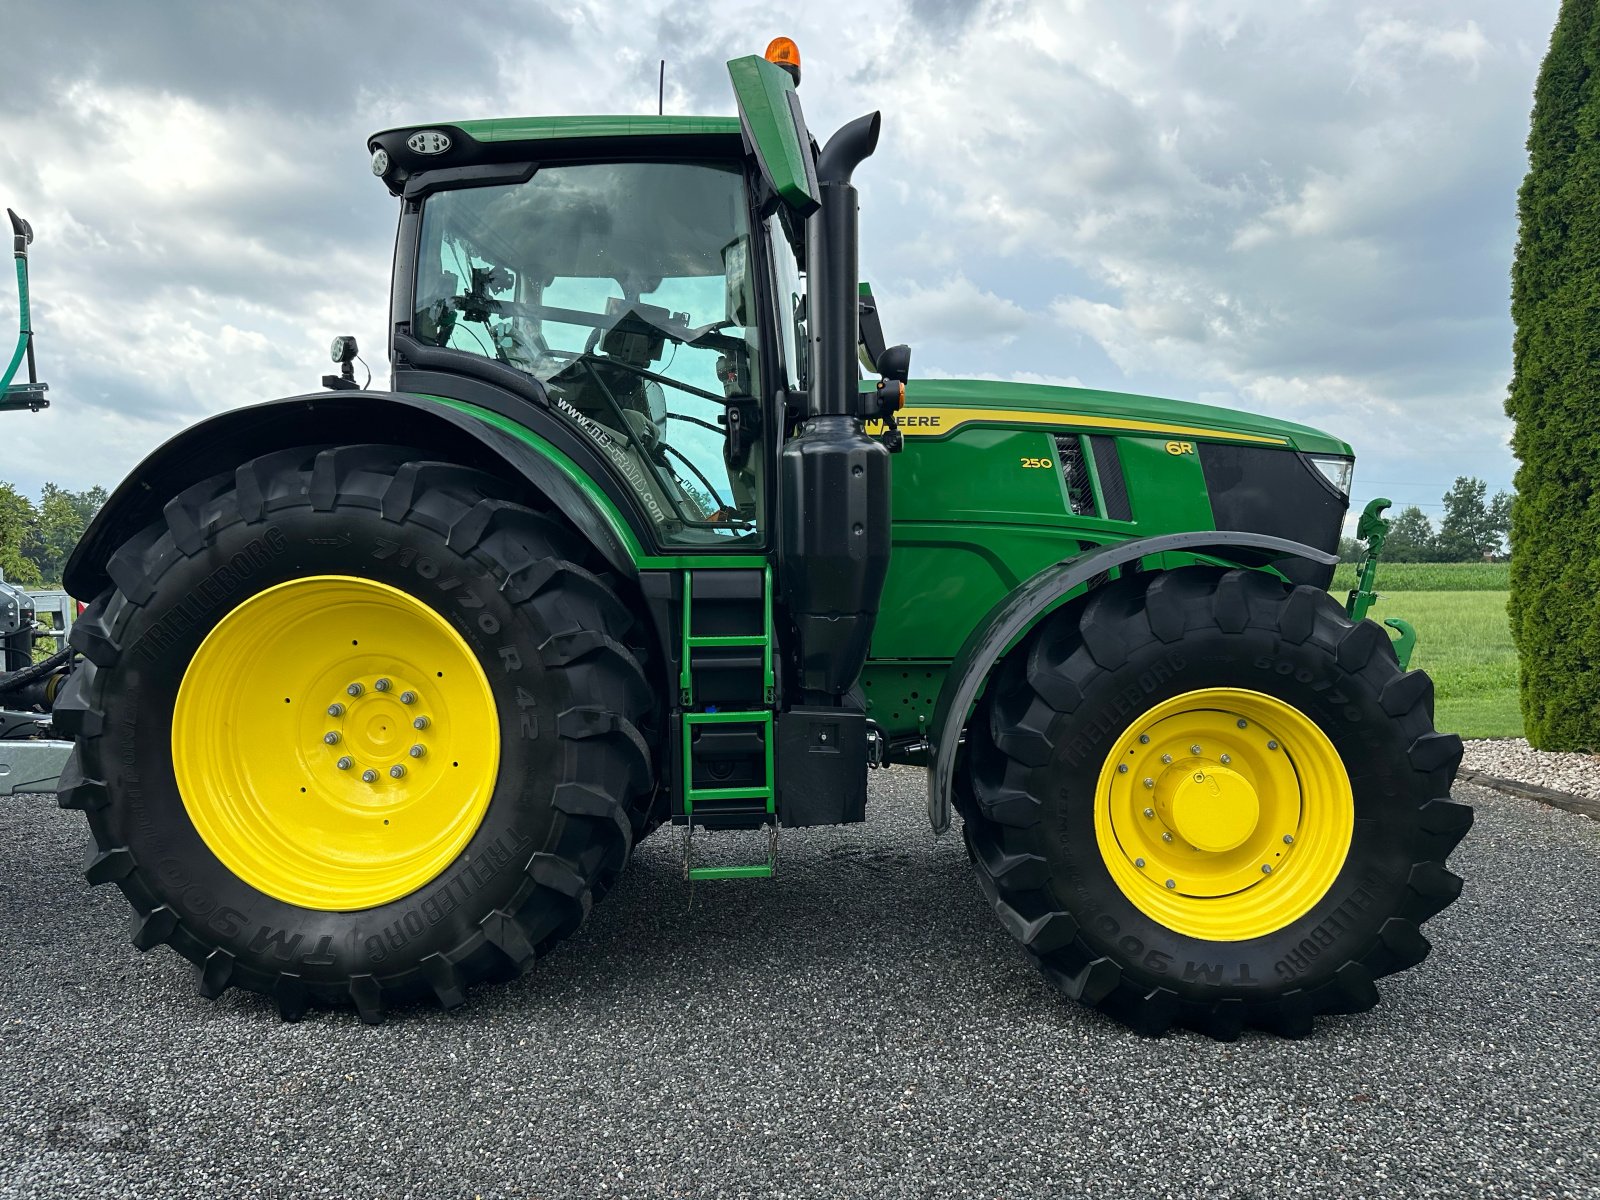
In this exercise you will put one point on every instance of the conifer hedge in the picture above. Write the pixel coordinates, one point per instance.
(1555, 395)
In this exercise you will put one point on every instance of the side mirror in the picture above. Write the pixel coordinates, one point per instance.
(895, 363)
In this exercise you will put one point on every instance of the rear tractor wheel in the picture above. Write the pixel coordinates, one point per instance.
(1205, 798)
(353, 729)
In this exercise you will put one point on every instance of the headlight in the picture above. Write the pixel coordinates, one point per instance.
(1339, 472)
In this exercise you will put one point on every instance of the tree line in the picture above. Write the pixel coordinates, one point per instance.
(37, 538)
(1475, 527)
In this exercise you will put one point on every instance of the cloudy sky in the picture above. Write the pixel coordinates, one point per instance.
(1301, 207)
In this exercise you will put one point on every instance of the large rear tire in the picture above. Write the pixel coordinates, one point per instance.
(354, 729)
(1201, 797)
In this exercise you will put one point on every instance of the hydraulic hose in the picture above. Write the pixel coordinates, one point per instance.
(16, 680)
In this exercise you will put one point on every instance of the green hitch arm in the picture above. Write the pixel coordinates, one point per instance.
(1373, 529)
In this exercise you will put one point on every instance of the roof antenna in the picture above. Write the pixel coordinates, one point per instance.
(661, 89)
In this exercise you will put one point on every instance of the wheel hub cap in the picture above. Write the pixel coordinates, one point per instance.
(1212, 808)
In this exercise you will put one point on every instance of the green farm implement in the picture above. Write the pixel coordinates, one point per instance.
(380, 688)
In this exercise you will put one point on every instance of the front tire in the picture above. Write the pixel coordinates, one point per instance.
(354, 729)
(1202, 797)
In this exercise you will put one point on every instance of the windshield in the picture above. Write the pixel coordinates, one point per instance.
(627, 290)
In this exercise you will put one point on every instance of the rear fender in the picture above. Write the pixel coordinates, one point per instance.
(1014, 616)
(337, 418)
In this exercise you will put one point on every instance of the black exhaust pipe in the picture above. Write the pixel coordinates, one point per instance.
(833, 478)
(833, 267)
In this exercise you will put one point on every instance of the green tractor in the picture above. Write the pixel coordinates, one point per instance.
(380, 689)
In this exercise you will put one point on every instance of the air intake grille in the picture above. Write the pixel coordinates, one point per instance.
(1075, 472)
(1108, 465)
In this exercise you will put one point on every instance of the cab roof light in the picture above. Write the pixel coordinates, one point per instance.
(786, 54)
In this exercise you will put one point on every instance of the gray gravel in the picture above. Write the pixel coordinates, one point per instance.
(858, 1027)
(1513, 758)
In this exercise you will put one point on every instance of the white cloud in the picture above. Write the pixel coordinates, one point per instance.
(954, 310)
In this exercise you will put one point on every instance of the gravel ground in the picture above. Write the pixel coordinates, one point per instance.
(858, 1027)
(1513, 758)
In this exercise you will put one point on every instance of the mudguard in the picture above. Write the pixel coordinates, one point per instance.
(333, 418)
(1016, 614)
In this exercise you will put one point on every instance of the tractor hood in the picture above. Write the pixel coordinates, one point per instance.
(935, 407)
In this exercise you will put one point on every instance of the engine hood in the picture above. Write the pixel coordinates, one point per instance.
(952, 403)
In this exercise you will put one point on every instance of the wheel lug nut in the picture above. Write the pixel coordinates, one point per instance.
(1243, 724)
(336, 710)
(1266, 868)
(1139, 862)
(1226, 759)
(1172, 883)
(1148, 782)
(1150, 812)
(1122, 768)
(408, 697)
(418, 751)
(1194, 750)
(355, 689)
(1288, 839)
(1272, 745)
(1166, 758)
(420, 723)
(369, 776)
(397, 771)
(1166, 837)
(344, 764)
(381, 685)
(331, 738)
(1144, 739)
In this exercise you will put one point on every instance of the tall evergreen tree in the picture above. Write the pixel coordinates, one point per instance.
(1555, 395)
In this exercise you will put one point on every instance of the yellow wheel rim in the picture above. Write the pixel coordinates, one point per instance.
(335, 742)
(1224, 814)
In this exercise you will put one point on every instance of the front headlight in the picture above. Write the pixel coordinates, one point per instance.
(1339, 472)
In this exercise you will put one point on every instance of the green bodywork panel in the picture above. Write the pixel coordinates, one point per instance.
(1081, 407)
(974, 517)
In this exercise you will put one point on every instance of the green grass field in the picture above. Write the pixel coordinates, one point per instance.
(1430, 577)
(1463, 639)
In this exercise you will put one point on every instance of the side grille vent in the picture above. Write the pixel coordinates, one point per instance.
(1075, 472)
(1108, 465)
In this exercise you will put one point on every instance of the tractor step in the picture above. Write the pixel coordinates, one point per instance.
(727, 769)
(764, 870)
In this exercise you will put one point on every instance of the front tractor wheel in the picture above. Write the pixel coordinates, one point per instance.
(1204, 798)
(354, 729)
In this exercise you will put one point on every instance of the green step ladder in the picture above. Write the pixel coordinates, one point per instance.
(762, 718)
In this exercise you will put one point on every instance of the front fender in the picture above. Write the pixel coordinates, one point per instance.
(1017, 613)
(221, 443)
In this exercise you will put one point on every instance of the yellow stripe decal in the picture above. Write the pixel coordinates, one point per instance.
(916, 421)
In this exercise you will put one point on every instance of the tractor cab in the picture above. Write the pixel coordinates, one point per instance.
(625, 290)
